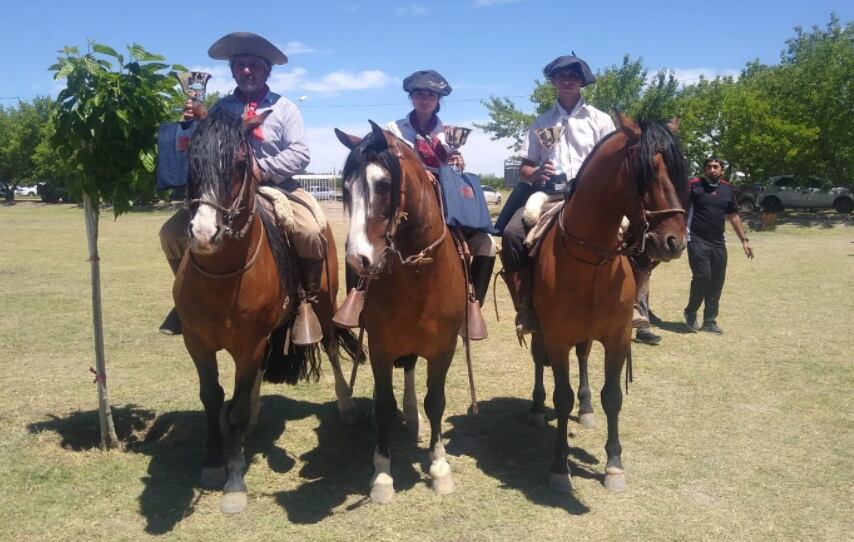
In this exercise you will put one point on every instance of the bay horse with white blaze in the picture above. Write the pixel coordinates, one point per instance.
(415, 304)
(236, 291)
(583, 283)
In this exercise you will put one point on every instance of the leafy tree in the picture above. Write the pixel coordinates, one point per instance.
(105, 131)
(20, 130)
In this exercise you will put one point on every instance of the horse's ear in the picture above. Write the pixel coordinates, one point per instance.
(673, 124)
(628, 126)
(379, 137)
(349, 141)
(256, 121)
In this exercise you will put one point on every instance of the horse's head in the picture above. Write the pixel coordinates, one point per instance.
(372, 180)
(659, 169)
(223, 175)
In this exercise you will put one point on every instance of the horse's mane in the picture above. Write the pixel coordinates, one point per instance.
(213, 152)
(655, 137)
(373, 148)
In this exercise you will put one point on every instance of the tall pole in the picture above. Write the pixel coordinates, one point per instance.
(108, 431)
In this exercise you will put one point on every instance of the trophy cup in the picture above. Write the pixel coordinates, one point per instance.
(193, 84)
(549, 138)
(455, 137)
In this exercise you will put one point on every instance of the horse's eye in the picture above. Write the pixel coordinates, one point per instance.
(382, 188)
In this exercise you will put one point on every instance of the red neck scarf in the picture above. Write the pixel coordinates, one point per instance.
(430, 149)
(251, 106)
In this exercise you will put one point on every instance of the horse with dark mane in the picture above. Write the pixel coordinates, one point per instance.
(583, 284)
(236, 291)
(415, 304)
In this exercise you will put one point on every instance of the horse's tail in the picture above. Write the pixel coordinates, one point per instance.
(298, 363)
(350, 343)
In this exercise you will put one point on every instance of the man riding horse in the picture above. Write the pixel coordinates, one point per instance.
(280, 152)
(583, 127)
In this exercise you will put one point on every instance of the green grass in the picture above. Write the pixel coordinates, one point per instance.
(745, 436)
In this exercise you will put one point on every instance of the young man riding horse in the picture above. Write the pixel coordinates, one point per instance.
(583, 127)
(280, 153)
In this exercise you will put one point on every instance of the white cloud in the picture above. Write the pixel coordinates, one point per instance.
(298, 79)
(410, 9)
(349, 8)
(490, 3)
(297, 48)
(483, 155)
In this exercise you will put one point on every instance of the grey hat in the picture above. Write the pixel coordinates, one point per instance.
(246, 43)
(567, 61)
(427, 80)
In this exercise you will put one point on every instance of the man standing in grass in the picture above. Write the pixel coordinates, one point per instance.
(712, 203)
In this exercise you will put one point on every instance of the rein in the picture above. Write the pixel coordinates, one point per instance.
(246, 267)
(230, 214)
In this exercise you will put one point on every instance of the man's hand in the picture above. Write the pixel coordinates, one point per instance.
(188, 110)
(457, 161)
(745, 244)
(543, 173)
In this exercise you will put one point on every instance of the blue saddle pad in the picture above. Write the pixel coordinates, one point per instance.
(465, 205)
(173, 139)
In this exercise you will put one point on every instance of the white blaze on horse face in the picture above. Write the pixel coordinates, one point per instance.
(203, 229)
(364, 253)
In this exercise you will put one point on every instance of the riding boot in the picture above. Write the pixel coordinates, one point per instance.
(480, 271)
(519, 283)
(172, 323)
(307, 329)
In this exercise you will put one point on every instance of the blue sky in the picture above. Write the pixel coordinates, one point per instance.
(348, 57)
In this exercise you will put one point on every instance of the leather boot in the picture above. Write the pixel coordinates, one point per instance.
(307, 328)
(481, 271)
(172, 323)
(519, 284)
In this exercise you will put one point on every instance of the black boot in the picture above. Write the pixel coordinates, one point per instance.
(519, 284)
(645, 336)
(307, 329)
(480, 272)
(172, 323)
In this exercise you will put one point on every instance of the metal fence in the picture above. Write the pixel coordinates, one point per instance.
(325, 188)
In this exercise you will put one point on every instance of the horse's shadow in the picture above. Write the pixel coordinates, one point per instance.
(506, 448)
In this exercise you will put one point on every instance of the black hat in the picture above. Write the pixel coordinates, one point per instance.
(246, 43)
(427, 80)
(567, 61)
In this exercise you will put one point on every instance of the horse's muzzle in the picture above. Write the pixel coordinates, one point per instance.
(665, 248)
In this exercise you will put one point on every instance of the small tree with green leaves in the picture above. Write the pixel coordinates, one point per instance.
(106, 132)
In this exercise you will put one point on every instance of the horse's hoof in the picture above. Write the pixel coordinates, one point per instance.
(350, 415)
(233, 503)
(587, 419)
(443, 485)
(615, 481)
(562, 483)
(440, 474)
(537, 419)
(382, 489)
(213, 477)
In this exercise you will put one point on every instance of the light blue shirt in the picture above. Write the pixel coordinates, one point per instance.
(283, 152)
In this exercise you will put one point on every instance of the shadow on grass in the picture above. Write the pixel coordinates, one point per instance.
(175, 442)
(518, 455)
(803, 219)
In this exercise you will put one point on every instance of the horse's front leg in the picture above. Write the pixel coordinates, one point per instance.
(585, 408)
(346, 407)
(537, 416)
(410, 398)
(385, 407)
(434, 405)
(612, 401)
(212, 396)
(235, 424)
(561, 477)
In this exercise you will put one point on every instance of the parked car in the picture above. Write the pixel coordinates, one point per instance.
(492, 195)
(322, 193)
(53, 193)
(792, 191)
(747, 196)
(26, 191)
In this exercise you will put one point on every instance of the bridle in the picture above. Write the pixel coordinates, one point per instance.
(421, 258)
(641, 233)
(230, 214)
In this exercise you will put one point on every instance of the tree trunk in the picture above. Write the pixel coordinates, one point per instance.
(108, 431)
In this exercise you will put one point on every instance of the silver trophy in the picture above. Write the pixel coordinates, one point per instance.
(455, 137)
(194, 84)
(549, 138)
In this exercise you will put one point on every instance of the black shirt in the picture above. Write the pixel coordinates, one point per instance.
(709, 207)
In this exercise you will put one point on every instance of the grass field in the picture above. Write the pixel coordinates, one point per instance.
(744, 436)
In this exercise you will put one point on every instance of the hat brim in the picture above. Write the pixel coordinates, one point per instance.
(246, 43)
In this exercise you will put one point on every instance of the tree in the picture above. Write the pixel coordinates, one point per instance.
(106, 131)
(20, 130)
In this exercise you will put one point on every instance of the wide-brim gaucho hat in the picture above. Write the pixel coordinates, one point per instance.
(246, 43)
(567, 61)
(427, 80)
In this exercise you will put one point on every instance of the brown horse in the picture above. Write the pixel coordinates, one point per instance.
(234, 292)
(416, 301)
(583, 283)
